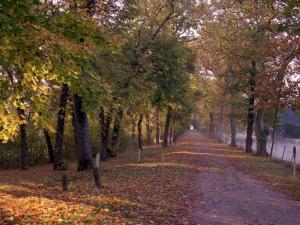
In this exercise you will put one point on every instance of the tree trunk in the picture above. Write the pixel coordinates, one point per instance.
(140, 138)
(274, 124)
(23, 141)
(261, 133)
(157, 126)
(148, 138)
(58, 161)
(175, 138)
(49, 145)
(250, 116)
(232, 125)
(220, 124)
(250, 122)
(101, 118)
(167, 127)
(211, 131)
(104, 130)
(171, 134)
(280, 79)
(83, 144)
(116, 130)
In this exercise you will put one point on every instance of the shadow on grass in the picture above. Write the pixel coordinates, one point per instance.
(131, 190)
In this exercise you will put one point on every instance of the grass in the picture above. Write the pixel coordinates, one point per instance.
(277, 173)
(150, 192)
(145, 193)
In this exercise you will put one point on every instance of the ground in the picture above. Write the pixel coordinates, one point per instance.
(198, 181)
(222, 194)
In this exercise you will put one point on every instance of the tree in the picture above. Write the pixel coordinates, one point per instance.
(244, 39)
(58, 161)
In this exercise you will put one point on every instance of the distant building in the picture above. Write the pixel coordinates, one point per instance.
(289, 124)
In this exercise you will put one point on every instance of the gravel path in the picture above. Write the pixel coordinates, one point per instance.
(219, 194)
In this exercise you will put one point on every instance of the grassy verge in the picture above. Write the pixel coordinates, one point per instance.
(278, 173)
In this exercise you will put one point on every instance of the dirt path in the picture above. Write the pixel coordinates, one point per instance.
(219, 194)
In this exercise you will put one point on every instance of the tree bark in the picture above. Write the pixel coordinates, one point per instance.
(175, 138)
(60, 126)
(23, 141)
(157, 126)
(101, 119)
(140, 137)
(171, 134)
(107, 130)
(220, 123)
(274, 129)
(148, 138)
(251, 116)
(116, 130)
(261, 133)
(104, 130)
(49, 145)
(82, 136)
(167, 127)
(232, 125)
(211, 131)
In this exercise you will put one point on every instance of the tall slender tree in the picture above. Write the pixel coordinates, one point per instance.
(60, 127)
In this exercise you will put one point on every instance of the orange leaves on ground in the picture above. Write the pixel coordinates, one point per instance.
(148, 193)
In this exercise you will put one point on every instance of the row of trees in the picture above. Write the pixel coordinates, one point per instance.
(85, 74)
(105, 67)
(249, 57)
